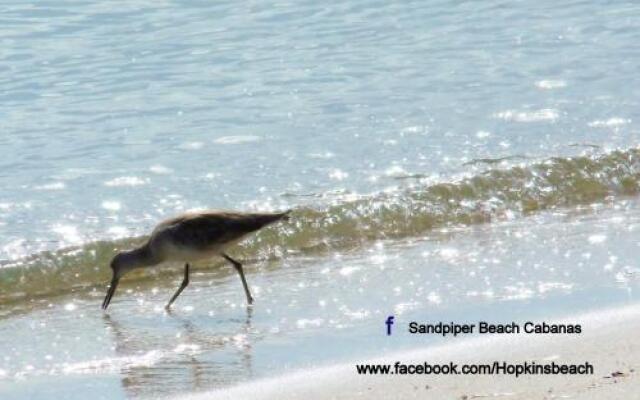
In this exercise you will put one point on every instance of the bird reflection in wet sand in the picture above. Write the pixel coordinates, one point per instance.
(191, 237)
(193, 364)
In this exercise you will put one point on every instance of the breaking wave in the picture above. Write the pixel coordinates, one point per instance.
(516, 191)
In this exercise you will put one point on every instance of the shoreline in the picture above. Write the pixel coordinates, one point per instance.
(607, 342)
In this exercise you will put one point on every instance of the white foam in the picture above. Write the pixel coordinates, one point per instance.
(305, 322)
(545, 287)
(483, 134)
(551, 84)
(51, 186)
(160, 169)
(434, 298)
(237, 139)
(609, 123)
(111, 205)
(68, 232)
(324, 156)
(16, 249)
(414, 129)
(346, 271)
(546, 114)
(396, 171)
(113, 364)
(191, 146)
(338, 175)
(401, 308)
(449, 253)
(118, 231)
(126, 181)
(599, 238)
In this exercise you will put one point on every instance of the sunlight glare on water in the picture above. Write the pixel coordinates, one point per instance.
(451, 159)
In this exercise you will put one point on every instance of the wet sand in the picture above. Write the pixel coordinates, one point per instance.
(609, 342)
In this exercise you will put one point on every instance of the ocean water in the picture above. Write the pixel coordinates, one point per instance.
(451, 160)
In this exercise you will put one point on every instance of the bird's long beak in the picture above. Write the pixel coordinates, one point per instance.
(110, 292)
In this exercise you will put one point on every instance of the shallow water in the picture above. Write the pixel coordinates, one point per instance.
(461, 160)
(312, 312)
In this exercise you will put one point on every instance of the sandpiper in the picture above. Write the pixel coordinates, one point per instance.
(190, 237)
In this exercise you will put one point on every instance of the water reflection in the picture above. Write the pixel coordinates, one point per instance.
(184, 356)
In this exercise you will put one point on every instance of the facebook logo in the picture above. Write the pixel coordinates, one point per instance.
(389, 322)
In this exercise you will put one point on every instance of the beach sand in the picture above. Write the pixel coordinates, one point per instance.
(608, 341)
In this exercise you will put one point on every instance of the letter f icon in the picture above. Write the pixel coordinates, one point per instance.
(389, 322)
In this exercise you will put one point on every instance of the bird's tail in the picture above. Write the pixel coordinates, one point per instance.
(285, 215)
(259, 220)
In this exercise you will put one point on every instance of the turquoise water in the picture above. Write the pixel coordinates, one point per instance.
(412, 141)
(116, 115)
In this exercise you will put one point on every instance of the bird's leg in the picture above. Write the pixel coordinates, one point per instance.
(183, 285)
(238, 268)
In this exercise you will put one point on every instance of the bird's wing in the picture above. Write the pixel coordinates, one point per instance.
(206, 229)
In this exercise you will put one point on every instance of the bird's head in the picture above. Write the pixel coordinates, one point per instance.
(121, 263)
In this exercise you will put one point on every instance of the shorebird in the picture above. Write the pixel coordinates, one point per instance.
(190, 237)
